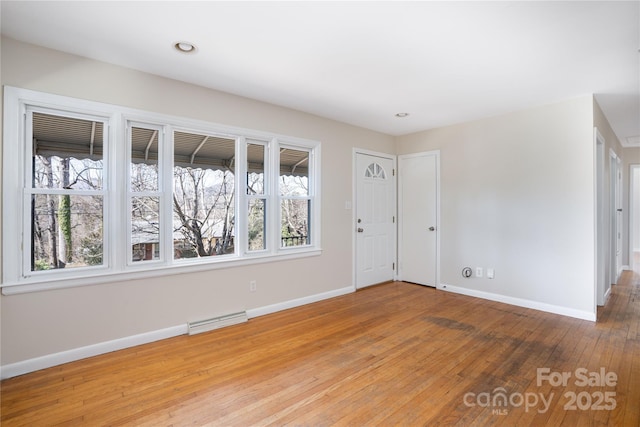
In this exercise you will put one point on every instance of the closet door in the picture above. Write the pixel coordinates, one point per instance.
(418, 214)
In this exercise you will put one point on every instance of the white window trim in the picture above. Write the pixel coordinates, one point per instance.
(28, 192)
(117, 267)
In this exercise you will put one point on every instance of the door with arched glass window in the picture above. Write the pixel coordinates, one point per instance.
(375, 219)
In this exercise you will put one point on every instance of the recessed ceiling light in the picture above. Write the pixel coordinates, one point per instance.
(633, 141)
(402, 114)
(185, 47)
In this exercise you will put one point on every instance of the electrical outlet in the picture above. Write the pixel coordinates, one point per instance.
(490, 273)
(479, 272)
(252, 286)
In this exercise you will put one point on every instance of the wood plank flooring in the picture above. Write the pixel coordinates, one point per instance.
(393, 354)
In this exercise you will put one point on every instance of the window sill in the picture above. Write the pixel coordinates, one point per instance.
(155, 270)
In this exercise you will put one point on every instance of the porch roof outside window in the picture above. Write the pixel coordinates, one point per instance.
(72, 137)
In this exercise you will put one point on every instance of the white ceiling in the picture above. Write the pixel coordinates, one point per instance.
(363, 62)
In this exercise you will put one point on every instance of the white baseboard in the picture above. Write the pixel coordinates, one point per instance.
(607, 294)
(37, 363)
(49, 360)
(261, 311)
(520, 302)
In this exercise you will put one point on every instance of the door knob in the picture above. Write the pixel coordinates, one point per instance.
(432, 229)
(360, 230)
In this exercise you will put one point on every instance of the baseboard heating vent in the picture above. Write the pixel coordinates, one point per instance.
(217, 322)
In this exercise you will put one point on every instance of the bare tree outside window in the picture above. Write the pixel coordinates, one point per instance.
(97, 190)
(203, 207)
(203, 196)
(145, 194)
(66, 218)
(256, 198)
(295, 203)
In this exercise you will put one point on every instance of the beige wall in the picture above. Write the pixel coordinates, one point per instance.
(42, 323)
(517, 195)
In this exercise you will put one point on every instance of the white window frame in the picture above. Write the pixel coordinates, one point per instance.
(211, 130)
(29, 191)
(310, 196)
(160, 193)
(243, 237)
(116, 188)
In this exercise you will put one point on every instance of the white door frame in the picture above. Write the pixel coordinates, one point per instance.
(634, 217)
(600, 223)
(435, 153)
(351, 205)
(615, 217)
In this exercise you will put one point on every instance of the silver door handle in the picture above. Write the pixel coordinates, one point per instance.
(360, 230)
(432, 229)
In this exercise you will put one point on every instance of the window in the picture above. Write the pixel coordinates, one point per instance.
(203, 195)
(295, 203)
(144, 191)
(256, 196)
(66, 190)
(375, 171)
(109, 193)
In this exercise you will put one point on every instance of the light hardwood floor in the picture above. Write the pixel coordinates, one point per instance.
(394, 354)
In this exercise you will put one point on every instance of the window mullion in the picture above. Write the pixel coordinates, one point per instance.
(242, 199)
(26, 180)
(26, 240)
(165, 170)
(125, 238)
(315, 195)
(273, 203)
(116, 195)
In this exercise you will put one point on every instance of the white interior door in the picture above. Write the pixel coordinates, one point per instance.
(615, 252)
(418, 225)
(634, 219)
(375, 228)
(618, 197)
(602, 288)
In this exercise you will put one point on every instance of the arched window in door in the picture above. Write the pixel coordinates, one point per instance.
(375, 171)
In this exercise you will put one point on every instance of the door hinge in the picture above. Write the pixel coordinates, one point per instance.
(394, 267)
(393, 172)
(394, 219)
